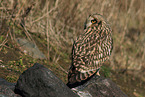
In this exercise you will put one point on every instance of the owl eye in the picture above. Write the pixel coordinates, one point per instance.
(94, 21)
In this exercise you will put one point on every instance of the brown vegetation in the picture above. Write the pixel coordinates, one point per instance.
(54, 24)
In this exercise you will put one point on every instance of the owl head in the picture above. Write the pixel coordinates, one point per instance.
(94, 20)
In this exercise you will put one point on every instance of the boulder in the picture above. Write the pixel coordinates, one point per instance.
(6, 89)
(8, 84)
(38, 81)
(30, 48)
(97, 86)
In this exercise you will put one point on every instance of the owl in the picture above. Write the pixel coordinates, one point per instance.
(91, 48)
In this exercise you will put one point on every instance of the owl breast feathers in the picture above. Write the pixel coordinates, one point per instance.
(90, 49)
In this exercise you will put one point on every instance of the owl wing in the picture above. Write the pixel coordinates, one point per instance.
(91, 49)
(87, 53)
(85, 59)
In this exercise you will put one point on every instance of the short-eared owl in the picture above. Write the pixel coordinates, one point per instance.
(91, 49)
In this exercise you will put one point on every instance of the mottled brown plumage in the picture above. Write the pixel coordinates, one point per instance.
(91, 49)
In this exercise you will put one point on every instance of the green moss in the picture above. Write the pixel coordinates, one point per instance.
(106, 71)
(11, 78)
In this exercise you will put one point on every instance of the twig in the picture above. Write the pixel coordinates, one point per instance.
(28, 34)
(112, 11)
(13, 21)
(56, 5)
(47, 34)
(130, 7)
(102, 7)
(63, 69)
(4, 42)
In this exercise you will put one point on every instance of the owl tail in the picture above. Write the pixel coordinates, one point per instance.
(77, 78)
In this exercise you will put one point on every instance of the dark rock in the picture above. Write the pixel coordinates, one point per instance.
(38, 81)
(5, 91)
(8, 84)
(99, 86)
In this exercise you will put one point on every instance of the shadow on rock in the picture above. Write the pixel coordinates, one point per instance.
(98, 86)
(39, 81)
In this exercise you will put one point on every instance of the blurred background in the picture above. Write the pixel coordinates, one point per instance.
(51, 26)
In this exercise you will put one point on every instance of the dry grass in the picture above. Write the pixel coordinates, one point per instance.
(59, 22)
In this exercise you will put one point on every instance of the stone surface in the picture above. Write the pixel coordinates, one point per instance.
(99, 86)
(38, 81)
(8, 84)
(30, 48)
(5, 91)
